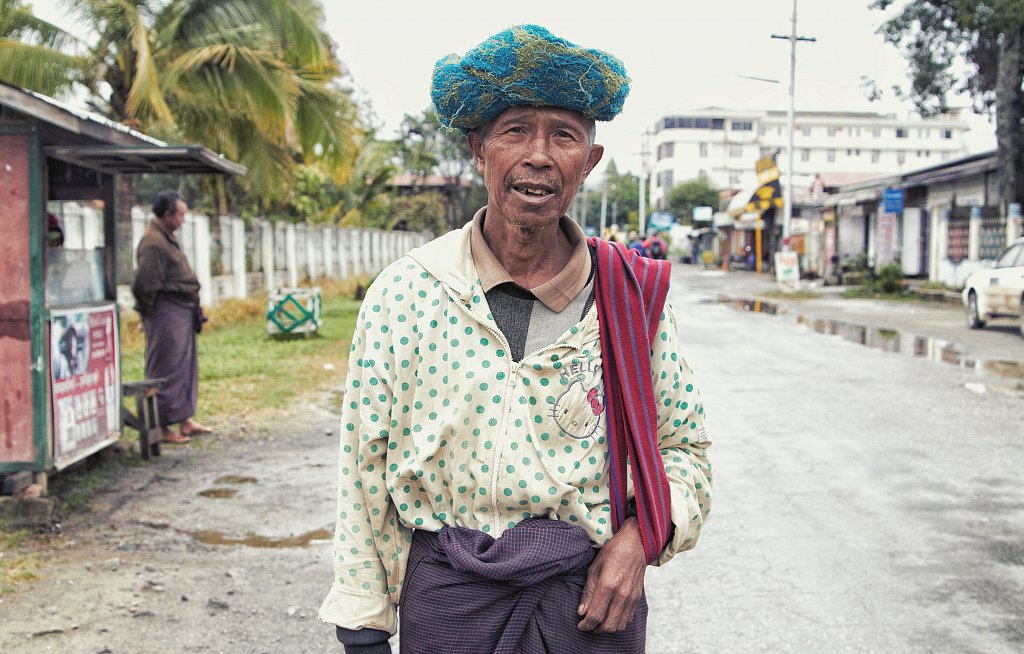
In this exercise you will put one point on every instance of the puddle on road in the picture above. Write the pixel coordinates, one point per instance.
(757, 306)
(225, 493)
(218, 493)
(887, 340)
(254, 540)
(235, 479)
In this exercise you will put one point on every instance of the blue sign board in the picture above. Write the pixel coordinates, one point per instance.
(661, 220)
(892, 200)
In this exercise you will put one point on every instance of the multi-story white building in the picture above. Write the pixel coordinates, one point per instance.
(723, 145)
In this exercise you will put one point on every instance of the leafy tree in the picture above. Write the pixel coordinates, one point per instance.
(35, 54)
(988, 35)
(420, 211)
(428, 148)
(684, 196)
(365, 202)
(622, 191)
(253, 79)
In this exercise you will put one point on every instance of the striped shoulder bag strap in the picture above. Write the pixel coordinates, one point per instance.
(630, 292)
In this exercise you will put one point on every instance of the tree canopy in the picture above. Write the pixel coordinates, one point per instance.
(686, 195)
(988, 37)
(35, 54)
(256, 80)
(425, 148)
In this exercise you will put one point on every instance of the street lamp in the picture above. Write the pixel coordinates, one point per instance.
(787, 210)
(644, 159)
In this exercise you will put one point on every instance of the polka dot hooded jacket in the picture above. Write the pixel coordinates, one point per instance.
(441, 427)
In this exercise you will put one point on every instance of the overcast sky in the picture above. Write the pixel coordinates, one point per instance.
(680, 54)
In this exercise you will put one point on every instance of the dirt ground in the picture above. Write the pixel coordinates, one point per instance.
(216, 546)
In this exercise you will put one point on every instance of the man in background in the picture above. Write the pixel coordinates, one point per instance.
(167, 298)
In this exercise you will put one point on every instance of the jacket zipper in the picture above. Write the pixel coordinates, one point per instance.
(507, 404)
(506, 409)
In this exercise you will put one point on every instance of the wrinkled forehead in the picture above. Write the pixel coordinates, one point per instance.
(557, 116)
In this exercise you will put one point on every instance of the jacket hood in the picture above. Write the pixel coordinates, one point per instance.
(449, 259)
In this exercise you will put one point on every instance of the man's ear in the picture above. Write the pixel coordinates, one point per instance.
(476, 145)
(596, 152)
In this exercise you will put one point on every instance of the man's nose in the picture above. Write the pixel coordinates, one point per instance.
(538, 153)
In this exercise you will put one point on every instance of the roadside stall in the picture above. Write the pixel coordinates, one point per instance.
(60, 380)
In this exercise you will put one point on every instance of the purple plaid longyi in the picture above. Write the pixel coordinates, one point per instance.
(467, 593)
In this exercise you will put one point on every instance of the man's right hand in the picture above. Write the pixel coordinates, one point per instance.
(615, 582)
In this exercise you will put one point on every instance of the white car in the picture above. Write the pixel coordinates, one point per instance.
(997, 291)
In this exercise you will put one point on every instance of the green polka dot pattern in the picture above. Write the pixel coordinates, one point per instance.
(439, 427)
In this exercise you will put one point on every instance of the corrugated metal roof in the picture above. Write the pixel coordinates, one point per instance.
(87, 139)
(121, 159)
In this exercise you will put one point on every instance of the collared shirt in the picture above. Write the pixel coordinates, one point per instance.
(557, 292)
(532, 318)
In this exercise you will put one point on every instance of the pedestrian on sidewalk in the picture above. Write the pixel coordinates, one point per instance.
(167, 298)
(636, 243)
(500, 379)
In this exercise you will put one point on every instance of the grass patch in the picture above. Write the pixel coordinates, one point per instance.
(18, 564)
(865, 292)
(794, 295)
(246, 374)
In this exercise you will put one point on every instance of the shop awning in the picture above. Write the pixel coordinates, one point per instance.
(757, 200)
(133, 159)
(766, 195)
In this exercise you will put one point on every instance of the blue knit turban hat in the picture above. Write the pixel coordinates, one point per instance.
(526, 66)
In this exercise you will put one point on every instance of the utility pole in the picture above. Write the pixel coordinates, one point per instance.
(604, 207)
(644, 155)
(583, 208)
(787, 209)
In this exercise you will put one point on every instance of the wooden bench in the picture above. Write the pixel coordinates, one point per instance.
(146, 419)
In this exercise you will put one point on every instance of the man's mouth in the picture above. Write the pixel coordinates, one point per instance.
(532, 191)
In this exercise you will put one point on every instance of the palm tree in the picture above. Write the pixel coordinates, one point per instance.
(35, 54)
(252, 79)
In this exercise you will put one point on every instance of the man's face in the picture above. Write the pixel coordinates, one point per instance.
(174, 219)
(533, 160)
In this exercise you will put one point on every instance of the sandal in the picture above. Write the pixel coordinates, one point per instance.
(197, 428)
(175, 437)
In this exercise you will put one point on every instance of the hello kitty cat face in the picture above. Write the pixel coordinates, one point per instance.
(577, 411)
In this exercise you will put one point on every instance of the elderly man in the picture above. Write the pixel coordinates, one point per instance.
(167, 298)
(500, 379)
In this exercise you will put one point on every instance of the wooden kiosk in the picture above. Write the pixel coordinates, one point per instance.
(60, 386)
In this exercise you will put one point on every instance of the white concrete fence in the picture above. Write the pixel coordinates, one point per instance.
(264, 255)
(240, 260)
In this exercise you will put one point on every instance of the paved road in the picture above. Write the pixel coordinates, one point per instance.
(865, 501)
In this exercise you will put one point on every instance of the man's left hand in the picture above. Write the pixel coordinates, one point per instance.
(615, 582)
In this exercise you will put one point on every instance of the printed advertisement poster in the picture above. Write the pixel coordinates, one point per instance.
(886, 239)
(787, 270)
(85, 373)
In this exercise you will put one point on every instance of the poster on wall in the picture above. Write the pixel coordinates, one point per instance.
(85, 372)
(787, 271)
(886, 250)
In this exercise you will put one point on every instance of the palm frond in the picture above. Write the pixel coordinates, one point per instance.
(145, 96)
(17, 22)
(186, 24)
(38, 68)
(253, 82)
(297, 24)
(328, 129)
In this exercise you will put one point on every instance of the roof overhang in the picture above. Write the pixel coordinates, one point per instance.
(135, 159)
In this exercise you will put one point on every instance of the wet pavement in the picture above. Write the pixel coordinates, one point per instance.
(928, 330)
(865, 499)
(883, 338)
(868, 498)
